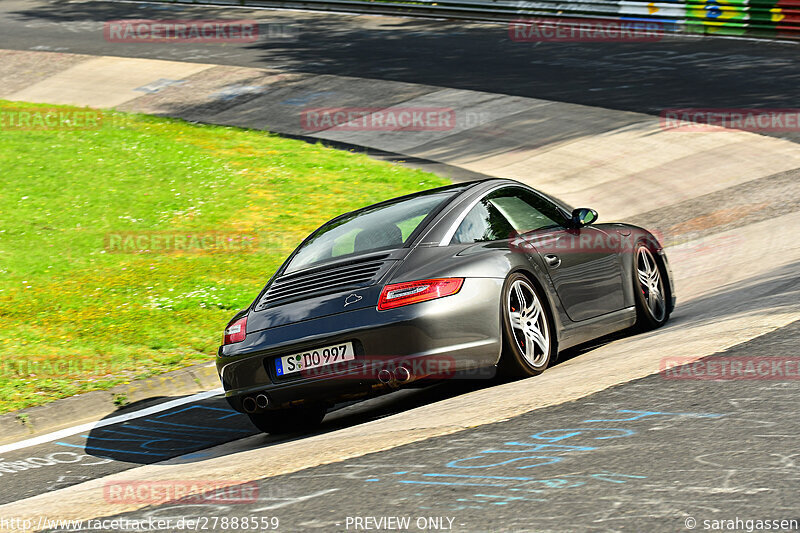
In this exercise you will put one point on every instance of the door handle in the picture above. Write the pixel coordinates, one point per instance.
(552, 261)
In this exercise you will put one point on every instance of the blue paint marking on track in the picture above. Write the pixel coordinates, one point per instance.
(480, 477)
(180, 431)
(409, 481)
(519, 488)
(94, 448)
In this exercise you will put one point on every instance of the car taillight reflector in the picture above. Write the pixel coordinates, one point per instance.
(411, 292)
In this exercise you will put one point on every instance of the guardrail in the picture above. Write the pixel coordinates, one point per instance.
(778, 19)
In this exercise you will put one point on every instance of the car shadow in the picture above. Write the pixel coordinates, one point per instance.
(185, 431)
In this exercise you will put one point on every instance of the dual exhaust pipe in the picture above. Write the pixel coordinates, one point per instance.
(400, 376)
(252, 403)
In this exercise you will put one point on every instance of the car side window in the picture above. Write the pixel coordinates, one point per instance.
(525, 210)
(507, 212)
(484, 222)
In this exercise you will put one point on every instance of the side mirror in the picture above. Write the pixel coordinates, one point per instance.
(583, 216)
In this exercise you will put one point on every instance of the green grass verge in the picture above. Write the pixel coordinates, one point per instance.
(77, 315)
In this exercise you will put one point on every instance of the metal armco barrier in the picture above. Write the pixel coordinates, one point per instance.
(779, 19)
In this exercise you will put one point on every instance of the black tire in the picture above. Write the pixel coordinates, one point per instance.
(514, 363)
(291, 420)
(652, 297)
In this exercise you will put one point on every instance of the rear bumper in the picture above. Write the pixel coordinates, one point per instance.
(456, 335)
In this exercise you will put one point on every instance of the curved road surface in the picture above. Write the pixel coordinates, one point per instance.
(599, 442)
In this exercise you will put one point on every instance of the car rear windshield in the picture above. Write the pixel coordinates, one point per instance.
(386, 226)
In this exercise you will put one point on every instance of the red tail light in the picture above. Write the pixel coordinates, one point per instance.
(411, 292)
(235, 332)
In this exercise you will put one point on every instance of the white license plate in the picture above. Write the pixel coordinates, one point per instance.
(328, 355)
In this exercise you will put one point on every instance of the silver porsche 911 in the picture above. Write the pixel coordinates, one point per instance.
(458, 281)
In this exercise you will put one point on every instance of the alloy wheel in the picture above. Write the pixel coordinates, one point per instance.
(529, 323)
(651, 284)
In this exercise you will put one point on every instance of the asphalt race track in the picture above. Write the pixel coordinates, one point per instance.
(645, 456)
(600, 442)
